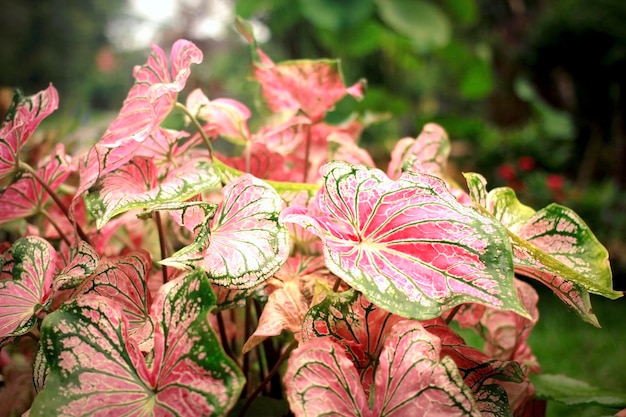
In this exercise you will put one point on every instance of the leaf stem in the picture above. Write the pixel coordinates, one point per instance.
(55, 197)
(56, 226)
(269, 376)
(453, 313)
(162, 244)
(307, 153)
(198, 126)
(222, 329)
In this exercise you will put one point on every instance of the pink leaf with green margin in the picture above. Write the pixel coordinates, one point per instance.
(95, 369)
(552, 245)
(225, 116)
(285, 137)
(123, 280)
(164, 148)
(410, 380)
(148, 103)
(21, 120)
(244, 243)
(310, 86)
(137, 185)
(26, 196)
(262, 163)
(26, 277)
(82, 264)
(408, 245)
(430, 150)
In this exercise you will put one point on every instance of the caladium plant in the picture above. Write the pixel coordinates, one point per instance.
(171, 279)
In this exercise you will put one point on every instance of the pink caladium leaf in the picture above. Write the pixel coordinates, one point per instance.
(137, 185)
(148, 103)
(26, 277)
(26, 196)
(23, 117)
(411, 379)
(94, 368)
(307, 85)
(244, 243)
(355, 323)
(552, 245)
(430, 150)
(82, 264)
(408, 245)
(123, 280)
(225, 117)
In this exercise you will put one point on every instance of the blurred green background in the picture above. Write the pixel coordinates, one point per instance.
(532, 93)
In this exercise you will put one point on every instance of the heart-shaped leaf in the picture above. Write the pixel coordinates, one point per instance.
(552, 245)
(410, 379)
(408, 245)
(148, 103)
(244, 243)
(123, 279)
(26, 276)
(137, 185)
(94, 368)
(26, 196)
(21, 120)
(307, 85)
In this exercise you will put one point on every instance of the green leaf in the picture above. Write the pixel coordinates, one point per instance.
(466, 11)
(572, 391)
(422, 22)
(336, 15)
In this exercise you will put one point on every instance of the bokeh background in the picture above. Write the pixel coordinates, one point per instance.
(531, 92)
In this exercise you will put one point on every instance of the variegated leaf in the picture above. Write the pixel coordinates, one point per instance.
(310, 86)
(27, 196)
(83, 263)
(552, 245)
(148, 103)
(136, 185)
(408, 245)
(95, 369)
(430, 150)
(21, 120)
(244, 243)
(26, 277)
(410, 380)
(225, 117)
(123, 279)
(356, 324)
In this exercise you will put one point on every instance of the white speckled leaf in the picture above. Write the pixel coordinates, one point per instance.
(95, 369)
(244, 243)
(552, 245)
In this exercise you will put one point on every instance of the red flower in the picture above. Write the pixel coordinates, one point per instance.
(507, 172)
(526, 163)
(555, 182)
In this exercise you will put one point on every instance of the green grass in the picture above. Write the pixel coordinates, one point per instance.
(564, 344)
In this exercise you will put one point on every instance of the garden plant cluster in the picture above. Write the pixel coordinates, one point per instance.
(158, 275)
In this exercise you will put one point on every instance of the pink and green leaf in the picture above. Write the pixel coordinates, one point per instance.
(136, 185)
(430, 151)
(311, 86)
(26, 277)
(552, 245)
(408, 245)
(27, 196)
(148, 103)
(410, 379)
(244, 243)
(23, 117)
(82, 264)
(123, 280)
(95, 368)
